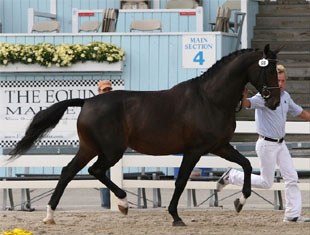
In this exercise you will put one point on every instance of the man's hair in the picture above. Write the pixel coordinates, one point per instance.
(281, 69)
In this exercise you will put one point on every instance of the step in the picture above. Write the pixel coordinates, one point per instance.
(281, 2)
(284, 10)
(300, 71)
(276, 22)
(294, 56)
(299, 87)
(289, 45)
(283, 34)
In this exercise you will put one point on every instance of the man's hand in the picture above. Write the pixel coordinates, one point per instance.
(305, 115)
(245, 102)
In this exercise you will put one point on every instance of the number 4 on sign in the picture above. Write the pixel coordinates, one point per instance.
(199, 58)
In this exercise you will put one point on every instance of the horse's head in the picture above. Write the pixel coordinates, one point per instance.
(264, 77)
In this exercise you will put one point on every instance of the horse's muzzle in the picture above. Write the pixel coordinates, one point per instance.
(272, 105)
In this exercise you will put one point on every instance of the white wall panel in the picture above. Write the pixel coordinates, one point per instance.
(153, 61)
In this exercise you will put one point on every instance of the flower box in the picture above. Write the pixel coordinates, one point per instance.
(88, 66)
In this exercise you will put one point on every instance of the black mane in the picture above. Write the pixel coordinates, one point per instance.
(209, 73)
(226, 59)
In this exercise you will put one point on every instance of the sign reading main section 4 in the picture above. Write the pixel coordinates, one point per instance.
(198, 51)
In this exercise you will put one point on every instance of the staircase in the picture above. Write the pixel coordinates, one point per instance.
(286, 23)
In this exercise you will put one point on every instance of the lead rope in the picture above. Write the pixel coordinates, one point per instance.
(239, 105)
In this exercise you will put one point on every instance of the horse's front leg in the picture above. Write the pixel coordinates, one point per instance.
(187, 165)
(231, 154)
(67, 174)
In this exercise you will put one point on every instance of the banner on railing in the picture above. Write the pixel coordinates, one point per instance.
(21, 100)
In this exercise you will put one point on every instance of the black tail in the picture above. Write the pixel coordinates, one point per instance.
(42, 123)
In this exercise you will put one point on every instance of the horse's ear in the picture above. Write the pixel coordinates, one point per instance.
(276, 51)
(266, 50)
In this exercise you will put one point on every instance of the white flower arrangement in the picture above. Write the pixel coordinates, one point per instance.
(63, 55)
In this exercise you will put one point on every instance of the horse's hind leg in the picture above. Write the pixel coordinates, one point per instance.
(99, 171)
(67, 174)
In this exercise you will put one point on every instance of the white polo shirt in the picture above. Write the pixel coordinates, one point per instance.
(271, 123)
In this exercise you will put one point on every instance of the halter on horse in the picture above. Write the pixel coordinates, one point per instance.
(195, 117)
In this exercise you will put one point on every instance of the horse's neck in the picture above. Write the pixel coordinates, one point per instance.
(226, 95)
(225, 87)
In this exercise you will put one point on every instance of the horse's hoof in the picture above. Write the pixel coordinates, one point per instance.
(122, 209)
(178, 223)
(238, 205)
(49, 221)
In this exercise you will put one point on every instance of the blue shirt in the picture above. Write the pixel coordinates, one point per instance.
(271, 123)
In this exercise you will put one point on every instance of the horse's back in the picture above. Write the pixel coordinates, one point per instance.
(151, 122)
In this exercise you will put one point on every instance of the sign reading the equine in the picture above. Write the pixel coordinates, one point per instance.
(198, 51)
(21, 100)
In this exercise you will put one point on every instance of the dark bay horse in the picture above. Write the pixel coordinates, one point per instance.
(194, 118)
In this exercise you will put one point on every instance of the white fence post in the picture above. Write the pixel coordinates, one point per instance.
(30, 19)
(75, 20)
(53, 7)
(199, 19)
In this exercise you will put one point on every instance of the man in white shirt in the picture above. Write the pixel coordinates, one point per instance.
(271, 148)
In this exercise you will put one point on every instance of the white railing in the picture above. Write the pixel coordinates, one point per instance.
(130, 160)
(85, 67)
(11, 126)
(140, 160)
(291, 127)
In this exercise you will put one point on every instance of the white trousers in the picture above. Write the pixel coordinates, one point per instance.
(271, 154)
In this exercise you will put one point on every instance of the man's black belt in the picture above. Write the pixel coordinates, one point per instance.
(272, 140)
